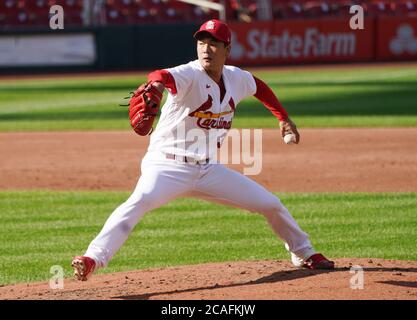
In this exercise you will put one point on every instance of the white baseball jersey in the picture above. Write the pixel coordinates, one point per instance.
(194, 121)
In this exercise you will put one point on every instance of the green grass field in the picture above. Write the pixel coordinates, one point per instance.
(359, 97)
(40, 229)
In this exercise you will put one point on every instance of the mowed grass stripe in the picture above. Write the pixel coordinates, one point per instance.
(44, 228)
(358, 97)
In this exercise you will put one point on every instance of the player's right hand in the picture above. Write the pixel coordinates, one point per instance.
(288, 126)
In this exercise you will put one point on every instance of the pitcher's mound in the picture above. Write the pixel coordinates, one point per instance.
(352, 279)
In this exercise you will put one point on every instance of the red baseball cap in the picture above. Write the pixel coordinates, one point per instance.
(217, 29)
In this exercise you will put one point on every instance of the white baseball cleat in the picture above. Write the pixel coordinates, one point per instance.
(315, 262)
(296, 261)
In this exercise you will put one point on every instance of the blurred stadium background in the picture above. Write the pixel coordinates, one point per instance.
(116, 34)
(35, 13)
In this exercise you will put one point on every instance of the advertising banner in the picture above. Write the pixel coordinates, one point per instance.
(47, 50)
(397, 38)
(296, 41)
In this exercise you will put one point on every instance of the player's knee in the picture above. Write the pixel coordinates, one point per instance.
(126, 226)
(140, 203)
(272, 206)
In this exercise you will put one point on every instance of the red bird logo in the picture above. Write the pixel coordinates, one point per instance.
(204, 107)
(209, 120)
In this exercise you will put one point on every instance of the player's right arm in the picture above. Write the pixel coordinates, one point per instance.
(268, 98)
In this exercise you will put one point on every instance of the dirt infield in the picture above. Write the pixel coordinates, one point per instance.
(326, 160)
(255, 280)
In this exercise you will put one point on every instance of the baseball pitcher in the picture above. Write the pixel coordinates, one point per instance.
(202, 99)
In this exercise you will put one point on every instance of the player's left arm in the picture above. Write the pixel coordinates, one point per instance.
(146, 101)
(162, 79)
(265, 95)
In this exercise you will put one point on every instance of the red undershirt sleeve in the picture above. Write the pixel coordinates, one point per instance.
(269, 100)
(165, 78)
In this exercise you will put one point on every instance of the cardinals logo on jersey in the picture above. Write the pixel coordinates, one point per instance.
(209, 120)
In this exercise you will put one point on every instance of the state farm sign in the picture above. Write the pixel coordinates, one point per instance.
(287, 45)
(297, 41)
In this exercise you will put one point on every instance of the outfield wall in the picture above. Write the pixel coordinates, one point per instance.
(145, 47)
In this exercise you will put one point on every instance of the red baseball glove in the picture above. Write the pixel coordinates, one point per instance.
(143, 108)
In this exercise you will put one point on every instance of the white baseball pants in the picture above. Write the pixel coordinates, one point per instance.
(163, 180)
